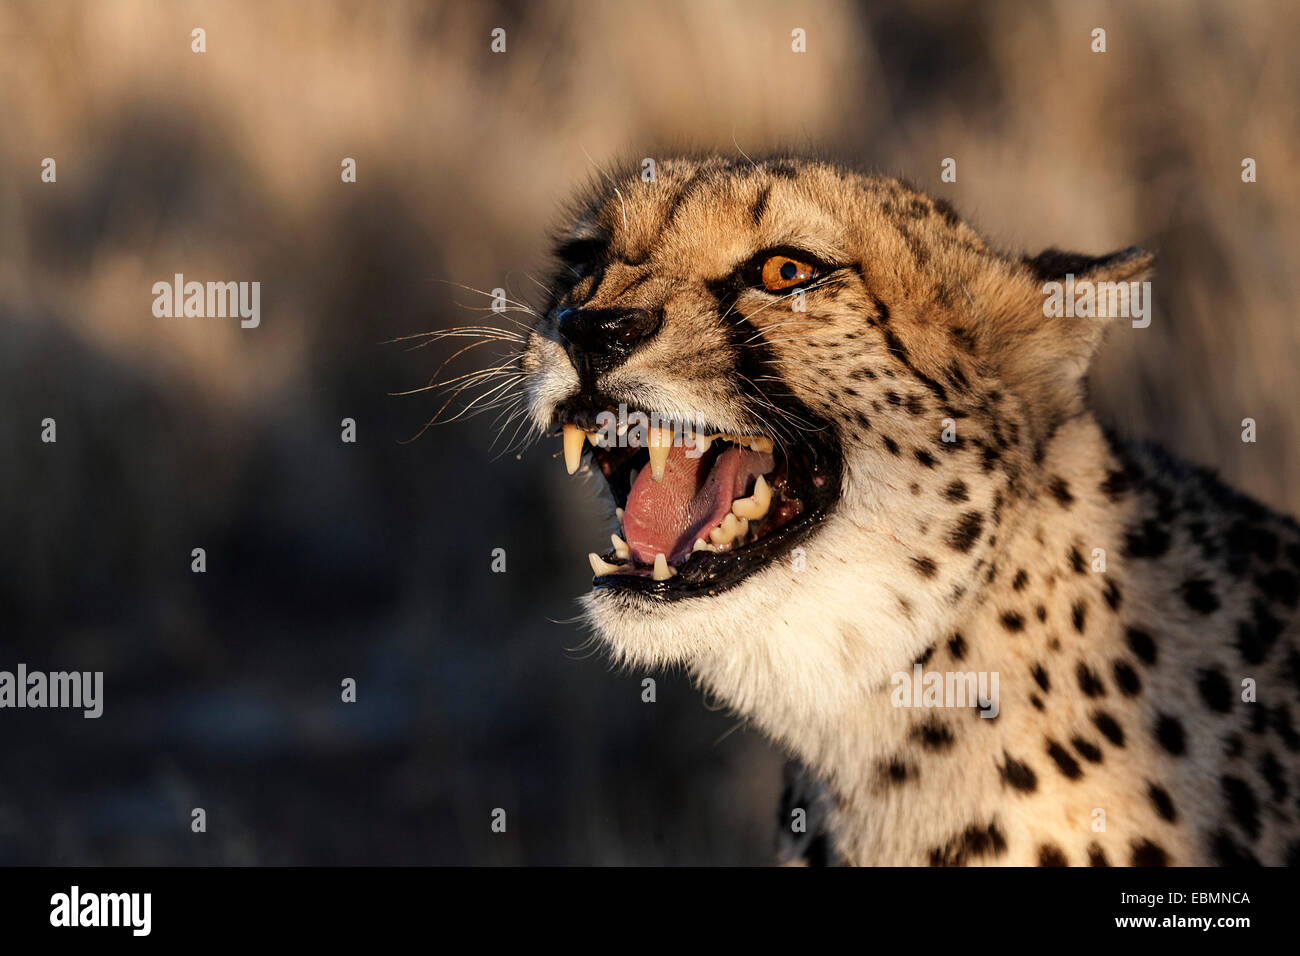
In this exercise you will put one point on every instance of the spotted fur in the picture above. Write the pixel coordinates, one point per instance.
(1121, 735)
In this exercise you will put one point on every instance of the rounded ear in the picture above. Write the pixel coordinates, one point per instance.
(1125, 265)
(1044, 340)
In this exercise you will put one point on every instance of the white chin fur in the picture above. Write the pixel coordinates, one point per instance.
(784, 644)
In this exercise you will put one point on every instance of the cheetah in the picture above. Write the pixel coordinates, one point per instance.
(844, 448)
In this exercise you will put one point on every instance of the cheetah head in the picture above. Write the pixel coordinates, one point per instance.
(810, 398)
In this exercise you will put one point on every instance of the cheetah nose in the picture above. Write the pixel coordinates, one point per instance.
(600, 338)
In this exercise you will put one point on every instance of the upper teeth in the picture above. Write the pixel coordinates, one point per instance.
(659, 442)
(573, 440)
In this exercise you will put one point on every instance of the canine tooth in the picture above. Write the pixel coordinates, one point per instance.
(620, 547)
(601, 567)
(660, 443)
(574, 437)
(618, 513)
(662, 572)
(756, 505)
(594, 438)
(702, 545)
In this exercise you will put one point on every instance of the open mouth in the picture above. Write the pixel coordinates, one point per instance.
(700, 511)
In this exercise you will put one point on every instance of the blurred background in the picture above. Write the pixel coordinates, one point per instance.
(372, 560)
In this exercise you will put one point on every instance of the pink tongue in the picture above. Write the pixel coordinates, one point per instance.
(665, 517)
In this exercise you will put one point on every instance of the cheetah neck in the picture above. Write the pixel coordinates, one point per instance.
(825, 680)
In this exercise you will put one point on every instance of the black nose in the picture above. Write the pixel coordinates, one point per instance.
(600, 338)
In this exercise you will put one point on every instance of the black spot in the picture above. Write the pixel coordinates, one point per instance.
(1088, 751)
(1020, 580)
(1017, 775)
(1279, 585)
(966, 532)
(1076, 561)
(890, 445)
(1040, 676)
(1215, 691)
(1051, 855)
(1036, 701)
(964, 338)
(895, 771)
(1162, 802)
(915, 406)
(1282, 724)
(974, 841)
(1064, 762)
(1109, 728)
(989, 458)
(925, 656)
(1126, 679)
(1097, 856)
(956, 377)
(1273, 775)
(1256, 637)
(957, 647)
(1111, 593)
(1147, 541)
(863, 420)
(1146, 853)
(924, 566)
(1234, 746)
(924, 457)
(1040, 612)
(1061, 492)
(1199, 595)
(957, 491)
(1142, 644)
(1228, 853)
(1079, 615)
(933, 734)
(1012, 621)
(1116, 485)
(1242, 803)
(1169, 731)
(1089, 682)
(893, 398)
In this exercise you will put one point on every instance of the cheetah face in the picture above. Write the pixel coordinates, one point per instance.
(716, 468)
(757, 361)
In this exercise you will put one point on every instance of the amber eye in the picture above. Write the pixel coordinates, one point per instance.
(782, 272)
